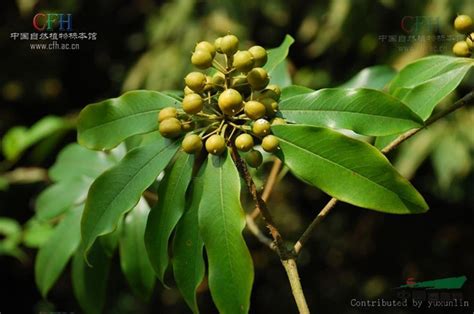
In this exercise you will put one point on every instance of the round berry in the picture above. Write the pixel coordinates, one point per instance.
(461, 49)
(243, 61)
(192, 144)
(270, 143)
(278, 121)
(215, 144)
(254, 109)
(229, 44)
(206, 46)
(259, 55)
(170, 127)
(261, 127)
(241, 85)
(166, 113)
(463, 24)
(254, 158)
(202, 59)
(230, 102)
(258, 78)
(271, 106)
(470, 40)
(188, 126)
(244, 142)
(187, 91)
(192, 103)
(196, 81)
(217, 44)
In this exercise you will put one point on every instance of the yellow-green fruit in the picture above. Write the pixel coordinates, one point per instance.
(258, 78)
(206, 46)
(187, 91)
(230, 102)
(461, 49)
(243, 61)
(229, 44)
(215, 144)
(275, 89)
(244, 142)
(270, 143)
(217, 44)
(186, 127)
(241, 85)
(259, 55)
(201, 59)
(192, 144)
(278, 121)
(261, 127)
(192, 103)
(166, 113)
(463, 24)
(170, 127)
(271, 106)
(196, 81)
(470, 40)
(254, 158)
(254, 109)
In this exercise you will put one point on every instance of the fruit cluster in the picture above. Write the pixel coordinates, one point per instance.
(230, 105)
(464, 25)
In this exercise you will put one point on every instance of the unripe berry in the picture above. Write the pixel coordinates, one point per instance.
(192, 103)
(196, 81)
(271, 106)
(258, 78)
(241, 85)
(470, 40)
(259, 55)
(170, 127)
(188, 126)
(217, 44)
(188, 91)
(254, 158)
(261, 127)
(206, 46)
(461, 49)
(270, 143)
(254, 109)
(243, 61)
(202, 59)
(215, 144)
(463, 24)
(278, 121)
(230, 102)
(192, 144)
(273, 91)
(229, 44)
(166, 113)
(244, 142)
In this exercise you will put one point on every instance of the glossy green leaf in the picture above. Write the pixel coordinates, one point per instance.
(281, 75)
(365, 111)
(118, 189)
(105, 124)
(90, 283)
(188, 260)
(425, 82)
(55, 253)
(294, 90)
(375, 77)
(165, 214)
(347, 169)
(221, 221)
(110, 241)
(133, 258)
(278, 55)
(61, 196)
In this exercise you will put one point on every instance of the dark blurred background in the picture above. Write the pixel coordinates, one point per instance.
(355, 253)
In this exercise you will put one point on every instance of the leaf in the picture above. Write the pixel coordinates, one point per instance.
(365, 111)
(165, 214)
(425, 82)
(133, 259)
(294, 90)
(278, 55)
(280, 75)
(221, 221)
(375, 77)
(61, 196)
(105, 124)
(55, 253)
(90, 283)
(118, 189)
(188, 260)
(36, 233)
(10, 232)
(347, 169)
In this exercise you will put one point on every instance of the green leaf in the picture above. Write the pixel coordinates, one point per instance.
(294, 90)
(365, 111)
(105, 124)
(61, 196)
(280, 75)
(133, 258)
(119, 189)
(90, 283)
(375, 77)
(221, 221)
(165, 214)
(424, 83)
(19, 138)
(347, 169)
(188, 260)
(278, 55)
(10, 230)
(55, 253)
(36, 233)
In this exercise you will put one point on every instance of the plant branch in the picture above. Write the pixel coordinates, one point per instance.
(466, 100)
(255, 230)
(296, 289)
(267, 190)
